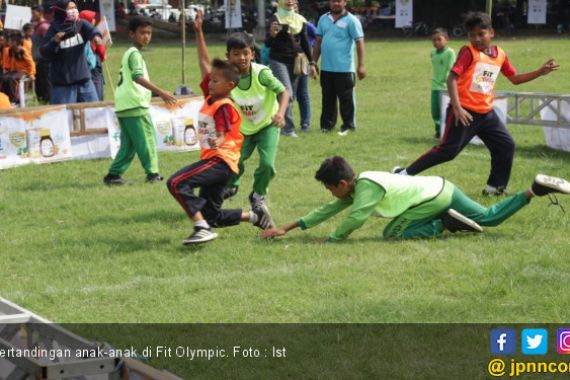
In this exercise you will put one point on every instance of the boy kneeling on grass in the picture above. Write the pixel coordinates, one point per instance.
(420, 206)
(220, 139)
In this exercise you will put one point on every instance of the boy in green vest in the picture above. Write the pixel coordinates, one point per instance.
(262, 102)
(132, 102)
(420, 206)
(442, 60)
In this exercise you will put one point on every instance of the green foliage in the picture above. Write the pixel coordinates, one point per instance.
(74, 250)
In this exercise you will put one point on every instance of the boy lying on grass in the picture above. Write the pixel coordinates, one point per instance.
(420, 206)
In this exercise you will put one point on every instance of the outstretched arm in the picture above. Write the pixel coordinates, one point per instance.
(548, 67)
(203, 57)
(279, 231)
(165, 96)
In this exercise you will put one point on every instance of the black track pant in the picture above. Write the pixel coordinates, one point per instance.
(337, 87)
(211, 176)
(489, 128)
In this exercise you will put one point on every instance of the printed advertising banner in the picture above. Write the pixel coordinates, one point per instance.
(404, 13)
(44, 134)
(537, 11)
(107, 11)
(35, 137)
(176, 128)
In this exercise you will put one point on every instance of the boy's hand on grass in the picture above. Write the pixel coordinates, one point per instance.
(271, 233)
(278, 119)
(549, 66)
(198, 21)
(462, 116)
(168, 98)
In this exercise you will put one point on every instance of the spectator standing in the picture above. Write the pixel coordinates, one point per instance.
(302, 93)
(337, 33)
(65, 48)
(100, 56)
(43, 82)
(286, 38)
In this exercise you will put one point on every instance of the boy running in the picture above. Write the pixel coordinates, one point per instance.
(220, 138)
(262, 102)
(471, 85)
(421, 207)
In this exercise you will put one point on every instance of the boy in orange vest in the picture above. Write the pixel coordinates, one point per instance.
(471, 85)
(220, 139)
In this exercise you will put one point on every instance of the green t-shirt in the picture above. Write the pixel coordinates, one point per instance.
(442, 62)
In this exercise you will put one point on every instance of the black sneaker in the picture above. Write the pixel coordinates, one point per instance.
(499, 191)
(397, 170)
(113, 180)
(437, 136)
(264, 220)
(200, 235)
(154, 177)
(454, 221)
(256, 200)
(545, 184)
(230, 191)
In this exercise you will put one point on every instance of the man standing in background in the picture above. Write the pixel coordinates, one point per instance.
(337, 32)
(41, 26)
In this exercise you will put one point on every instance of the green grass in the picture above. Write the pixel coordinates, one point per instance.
(74, 250)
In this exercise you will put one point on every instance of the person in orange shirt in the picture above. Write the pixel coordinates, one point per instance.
(18, 65)
(4, 102)
(220, 139)
(28, 31)
(471, 85)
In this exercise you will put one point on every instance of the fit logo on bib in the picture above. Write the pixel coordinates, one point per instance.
(252, 109)
(484, 78)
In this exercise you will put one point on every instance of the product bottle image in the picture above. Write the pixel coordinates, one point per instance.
(47, 147)
(190, 137)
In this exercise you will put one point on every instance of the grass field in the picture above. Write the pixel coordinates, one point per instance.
(73, 250)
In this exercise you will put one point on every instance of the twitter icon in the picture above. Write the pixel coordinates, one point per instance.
(534, 341)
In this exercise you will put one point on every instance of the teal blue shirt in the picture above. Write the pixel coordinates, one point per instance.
(337, 45)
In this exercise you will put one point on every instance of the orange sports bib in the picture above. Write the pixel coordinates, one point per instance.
(476, 86)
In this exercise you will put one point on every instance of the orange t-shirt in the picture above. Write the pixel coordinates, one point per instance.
(6, 58)
(27, 44)
(476, 85)
(4, 102)
(24, 65)
(229, 151)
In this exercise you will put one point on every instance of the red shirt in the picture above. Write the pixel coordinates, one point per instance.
(465, 58)
(225, 115)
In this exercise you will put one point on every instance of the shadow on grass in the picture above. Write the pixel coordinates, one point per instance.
(159, 216)
(39, 186)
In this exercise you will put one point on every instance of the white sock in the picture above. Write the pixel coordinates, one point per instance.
(253, 218)
(201, 224)
(490, 189)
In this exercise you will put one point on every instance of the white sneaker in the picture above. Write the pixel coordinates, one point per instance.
(343, 133)
(545, 184)
(454, 221)
(200, 235)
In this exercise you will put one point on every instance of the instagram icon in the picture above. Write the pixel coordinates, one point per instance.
(563, 341)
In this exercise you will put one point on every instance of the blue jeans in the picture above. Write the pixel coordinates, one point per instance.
(74, 93)
(284, 72)
(304, 102)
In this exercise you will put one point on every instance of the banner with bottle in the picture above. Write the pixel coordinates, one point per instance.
(404, 13)
(35, 137)
(536, 12)
(176, 127)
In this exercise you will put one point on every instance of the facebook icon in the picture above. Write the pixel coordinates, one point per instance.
(503, 342)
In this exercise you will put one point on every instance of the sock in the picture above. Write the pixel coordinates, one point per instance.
(253, 218)
(490, 189)
(201, 224)
(403, 172)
